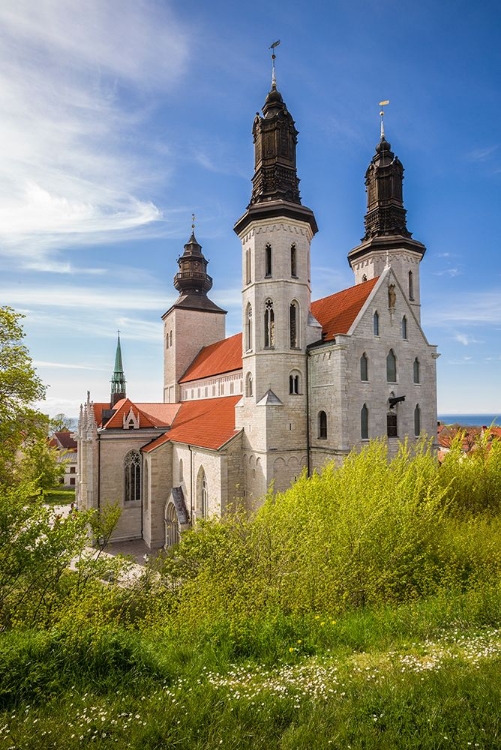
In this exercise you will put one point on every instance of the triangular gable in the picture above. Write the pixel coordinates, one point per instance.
(127, 412)
(207, 423)
(372, 297)
(216, 359)
(337, 312)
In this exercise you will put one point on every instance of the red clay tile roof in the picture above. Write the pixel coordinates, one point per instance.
(150, 415)
(207, 423)
(64, 439)
(98, 411)
(223, 356)
(337, 312)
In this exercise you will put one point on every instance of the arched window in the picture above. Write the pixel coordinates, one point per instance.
(166, 340)
(364, 367)
(248, 275)
(267, 261)
(132, 476)
(269, 324)
(411, 286)
(248, 384)
(391, 367)
(293, 325)
(376, 323)
(391, 424)
(416, 369)
(248, 327)
(322, 425)
(202, 494)
(293, 261)
(180, 470)
(294, 383)
(404, 327)
(417, 421)
(364, 423)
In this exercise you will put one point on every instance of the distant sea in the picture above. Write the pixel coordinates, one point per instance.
(471, 420)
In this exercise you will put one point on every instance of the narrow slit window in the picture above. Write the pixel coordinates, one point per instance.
(267, 261)
(364, 423)
(322, 425)
(269, 324)
(364, 367)
(293, 261)
(391, 367)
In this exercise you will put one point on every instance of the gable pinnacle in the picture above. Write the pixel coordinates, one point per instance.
(118, 381)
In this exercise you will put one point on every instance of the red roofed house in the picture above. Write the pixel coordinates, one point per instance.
(303, 384)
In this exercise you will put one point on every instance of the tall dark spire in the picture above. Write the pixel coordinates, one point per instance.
(275, 185)
(385, 206)
(118, 379)
(192, 280)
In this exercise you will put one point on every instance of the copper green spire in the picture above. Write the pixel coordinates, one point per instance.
(118, 380)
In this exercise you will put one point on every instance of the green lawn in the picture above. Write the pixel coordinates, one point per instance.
(59, 496)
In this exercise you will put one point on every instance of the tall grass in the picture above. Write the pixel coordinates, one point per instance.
(359, 609)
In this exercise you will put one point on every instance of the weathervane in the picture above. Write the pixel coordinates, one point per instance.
(381, 114)
(273, 58)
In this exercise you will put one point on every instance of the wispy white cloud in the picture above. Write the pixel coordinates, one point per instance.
(473, 309)
(86, 298)
(466, 339)
(482, 154)
(448, 272)
(64, 366)
(69, 80)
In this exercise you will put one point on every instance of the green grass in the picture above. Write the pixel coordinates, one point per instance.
(59, 496)
(421, 676)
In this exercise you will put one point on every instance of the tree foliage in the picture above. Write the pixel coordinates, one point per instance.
(24, 451)
(370, 533)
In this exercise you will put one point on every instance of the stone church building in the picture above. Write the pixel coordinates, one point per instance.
(304, 383)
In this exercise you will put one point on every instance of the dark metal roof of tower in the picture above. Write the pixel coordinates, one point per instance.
(275, 185)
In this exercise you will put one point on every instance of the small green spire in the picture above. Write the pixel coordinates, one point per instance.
(118, 380)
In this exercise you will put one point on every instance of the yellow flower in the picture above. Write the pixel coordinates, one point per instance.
(291, 649)
(322, 623)
(333, 622)
(300, 641)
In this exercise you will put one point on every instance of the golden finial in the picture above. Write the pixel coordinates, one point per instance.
(381, 114)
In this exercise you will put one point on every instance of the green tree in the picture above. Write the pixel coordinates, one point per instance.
(22, 427)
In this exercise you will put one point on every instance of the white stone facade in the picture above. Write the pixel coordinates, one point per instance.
(313, 381)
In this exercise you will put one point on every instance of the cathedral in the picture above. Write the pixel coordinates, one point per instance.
(303, 384)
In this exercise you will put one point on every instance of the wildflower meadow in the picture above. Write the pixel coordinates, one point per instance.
(359, 609)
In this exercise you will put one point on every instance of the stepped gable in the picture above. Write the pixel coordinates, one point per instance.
(216, 359)
(208, 423)
(337, 312)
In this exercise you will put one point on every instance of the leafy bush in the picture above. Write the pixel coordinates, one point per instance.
(368, 533)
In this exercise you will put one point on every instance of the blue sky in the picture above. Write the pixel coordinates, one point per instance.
(122, 117)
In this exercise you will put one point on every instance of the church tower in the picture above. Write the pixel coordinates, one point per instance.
(118, 379)
(276, 232)
(387, 240)
(193, 321)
